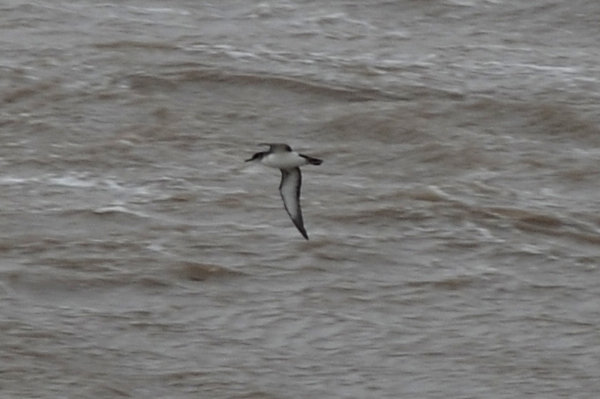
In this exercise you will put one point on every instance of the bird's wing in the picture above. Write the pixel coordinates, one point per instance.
(291, 181)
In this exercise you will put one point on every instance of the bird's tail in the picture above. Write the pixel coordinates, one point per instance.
(311, 160)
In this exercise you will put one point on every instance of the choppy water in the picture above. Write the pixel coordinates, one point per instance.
(455, 236)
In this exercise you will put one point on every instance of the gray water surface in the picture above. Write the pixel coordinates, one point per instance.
(455, 236)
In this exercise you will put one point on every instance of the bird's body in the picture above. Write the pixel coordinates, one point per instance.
(281, 156)
(284, 160)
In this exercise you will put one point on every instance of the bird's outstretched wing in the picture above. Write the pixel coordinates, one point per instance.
(291, 182)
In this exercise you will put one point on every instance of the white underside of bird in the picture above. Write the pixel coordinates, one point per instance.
(284, 160)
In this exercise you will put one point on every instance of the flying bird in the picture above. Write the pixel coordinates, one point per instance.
(282, 157)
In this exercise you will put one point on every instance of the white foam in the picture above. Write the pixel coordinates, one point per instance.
(11, 180)
(71, 181)
(113, 209)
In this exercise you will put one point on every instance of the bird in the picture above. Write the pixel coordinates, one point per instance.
(282, 157)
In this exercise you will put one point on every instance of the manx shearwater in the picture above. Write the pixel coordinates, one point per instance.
(282, 157)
